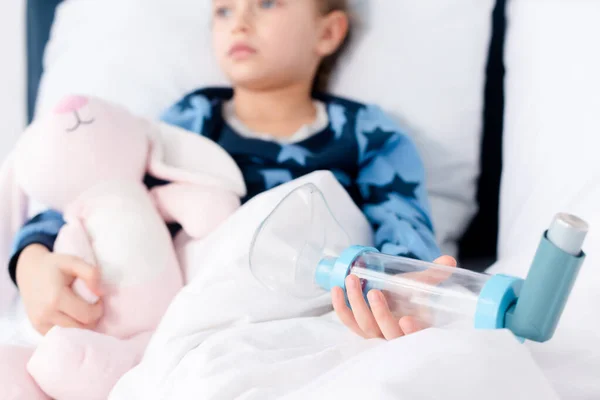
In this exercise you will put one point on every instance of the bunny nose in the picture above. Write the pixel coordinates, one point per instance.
(70, 104)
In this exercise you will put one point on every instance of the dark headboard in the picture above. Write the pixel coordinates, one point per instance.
(40, 15)
(479, 243)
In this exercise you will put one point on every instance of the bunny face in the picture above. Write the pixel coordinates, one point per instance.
(83, 142)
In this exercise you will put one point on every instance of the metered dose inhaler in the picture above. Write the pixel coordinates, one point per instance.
(300, 249)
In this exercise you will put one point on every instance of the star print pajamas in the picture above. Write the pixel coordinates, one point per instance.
(377, 164)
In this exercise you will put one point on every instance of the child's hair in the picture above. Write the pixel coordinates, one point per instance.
(329, 63)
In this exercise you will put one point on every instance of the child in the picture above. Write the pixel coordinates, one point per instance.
(277, 125)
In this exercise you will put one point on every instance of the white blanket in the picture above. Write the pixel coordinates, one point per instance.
(227, 337)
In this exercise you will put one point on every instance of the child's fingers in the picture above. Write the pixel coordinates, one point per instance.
(343, 312)
(385, 319)
(433, 276)
(78, 268)
(42, 328)
(75, 307)
(64, 321)
(363, 315)
(446, 260)
(410, 325)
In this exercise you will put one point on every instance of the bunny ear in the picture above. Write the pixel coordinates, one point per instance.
(178, 155)
(13, 213)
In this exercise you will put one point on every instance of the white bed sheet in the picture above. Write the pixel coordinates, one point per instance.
(227, 337)
(15, 328)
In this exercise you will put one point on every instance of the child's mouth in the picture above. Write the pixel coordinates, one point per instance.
(241, 51)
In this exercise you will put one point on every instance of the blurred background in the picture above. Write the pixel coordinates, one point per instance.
(12, 71)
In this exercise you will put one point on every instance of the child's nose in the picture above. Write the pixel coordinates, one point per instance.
(70, 104)
(242, 17)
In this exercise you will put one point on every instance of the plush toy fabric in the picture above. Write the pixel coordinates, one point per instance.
(87, 159)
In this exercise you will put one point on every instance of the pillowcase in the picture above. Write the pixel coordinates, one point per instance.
(422, 63)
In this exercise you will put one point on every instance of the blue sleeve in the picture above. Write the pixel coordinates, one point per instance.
(391, 181)
(189, 113)
(41, 229)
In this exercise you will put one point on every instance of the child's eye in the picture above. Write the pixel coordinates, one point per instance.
(223, 12)
(267, 3)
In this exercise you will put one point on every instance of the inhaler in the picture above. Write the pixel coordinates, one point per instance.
(300, 249)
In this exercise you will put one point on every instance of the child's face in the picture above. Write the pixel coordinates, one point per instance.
(265, 44)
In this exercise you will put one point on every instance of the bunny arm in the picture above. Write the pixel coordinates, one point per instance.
(75, 364)
(198, 209)
(15, 382)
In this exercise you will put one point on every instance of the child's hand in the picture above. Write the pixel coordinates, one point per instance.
(45, 279)
(377, 322)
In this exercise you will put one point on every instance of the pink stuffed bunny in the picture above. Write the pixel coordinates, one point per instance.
(88, 159)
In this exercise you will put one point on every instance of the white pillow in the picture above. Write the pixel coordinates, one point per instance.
(552, 121)
(420, 61)
(551, 164)
(426, 63)
(144, 54)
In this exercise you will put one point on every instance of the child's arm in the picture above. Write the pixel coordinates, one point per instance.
(391, 180)
(41, 230)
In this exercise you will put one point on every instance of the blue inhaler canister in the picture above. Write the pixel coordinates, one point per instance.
(545, 291)
(300, 249)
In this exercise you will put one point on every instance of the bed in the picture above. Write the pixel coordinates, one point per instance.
(515, 173)
(478, 243)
